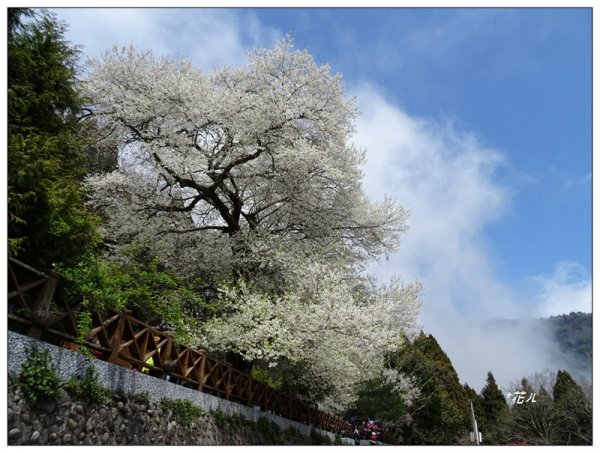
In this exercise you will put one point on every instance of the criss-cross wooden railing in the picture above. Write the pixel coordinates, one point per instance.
(37, 307)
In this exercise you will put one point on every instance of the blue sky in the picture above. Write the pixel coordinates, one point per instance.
(477, 120)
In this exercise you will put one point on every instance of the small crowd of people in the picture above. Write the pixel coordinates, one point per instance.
(364, 429)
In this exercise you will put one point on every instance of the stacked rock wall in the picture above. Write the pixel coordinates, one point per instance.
(134, 416)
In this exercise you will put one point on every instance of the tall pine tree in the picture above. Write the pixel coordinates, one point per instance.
(441, 413)
(47, 219)
(495, 418)
(572, 410)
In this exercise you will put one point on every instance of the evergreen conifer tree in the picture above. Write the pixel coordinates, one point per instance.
(47, 220)
(496, 413)
(572, 411)
(441, 412)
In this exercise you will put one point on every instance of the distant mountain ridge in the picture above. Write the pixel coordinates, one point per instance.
(570, 333)
(573, 334)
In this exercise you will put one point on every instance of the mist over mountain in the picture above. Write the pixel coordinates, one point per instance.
(569, 336)
(573, 336)
(517, 348)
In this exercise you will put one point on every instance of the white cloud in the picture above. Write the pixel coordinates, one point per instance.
(567, 289)
(210, 38)
(580, 181)
(447, 179)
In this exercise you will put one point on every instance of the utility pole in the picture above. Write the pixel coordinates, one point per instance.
(475, 435)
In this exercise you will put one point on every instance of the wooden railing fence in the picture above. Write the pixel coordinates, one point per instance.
(37, 307)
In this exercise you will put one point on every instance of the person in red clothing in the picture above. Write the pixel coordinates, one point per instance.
(373, 439)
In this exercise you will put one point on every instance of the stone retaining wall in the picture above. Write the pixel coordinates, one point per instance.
(128, 424)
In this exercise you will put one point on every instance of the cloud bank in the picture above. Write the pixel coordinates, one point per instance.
(448, 179)
(210, 38)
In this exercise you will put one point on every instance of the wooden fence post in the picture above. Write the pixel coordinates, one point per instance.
(228, 382)
(42, 311)
(201, 372)
(115, 339)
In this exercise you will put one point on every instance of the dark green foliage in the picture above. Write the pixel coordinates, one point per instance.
(494, 420)
(270, 430)
(88, 387)
(15, 18)
(185, 413)
(573, 411)
(47, 219)
(141, 398)
(477, 400)
(441, 413)
(377, 399)
(573, 332)
(148, 290)
(219, 416)
(38, 377)
(565, 387)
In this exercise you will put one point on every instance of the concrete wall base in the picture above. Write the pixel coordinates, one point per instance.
(71, 364)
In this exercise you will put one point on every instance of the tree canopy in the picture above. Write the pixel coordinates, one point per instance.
(440, 412)
(245, 182)
(242, 151)
(495, 413)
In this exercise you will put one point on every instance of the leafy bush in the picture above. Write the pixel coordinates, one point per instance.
(148, 289)
(184, 412)
(38, 377)
(141, 398)
(269, 429)
(219, 416)
(263, 375)
(88, 387)
(319, 439)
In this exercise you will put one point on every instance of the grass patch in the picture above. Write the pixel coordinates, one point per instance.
(88, 387)
(38, 378)
(185, 413)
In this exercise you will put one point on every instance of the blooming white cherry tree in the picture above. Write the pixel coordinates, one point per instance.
(324, 321)
(246, 179)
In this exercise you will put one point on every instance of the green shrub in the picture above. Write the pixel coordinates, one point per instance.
(269, 429)
(319, 439)
(88, 387)
(184, 412)
(147, 289)
(219, 416)
(236, 420)
(84, 325)
(38, 377)
(264, 376)
(292, 435)
(141, 398)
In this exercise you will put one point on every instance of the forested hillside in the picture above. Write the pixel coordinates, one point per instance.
(573, 333)
(570, 337)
